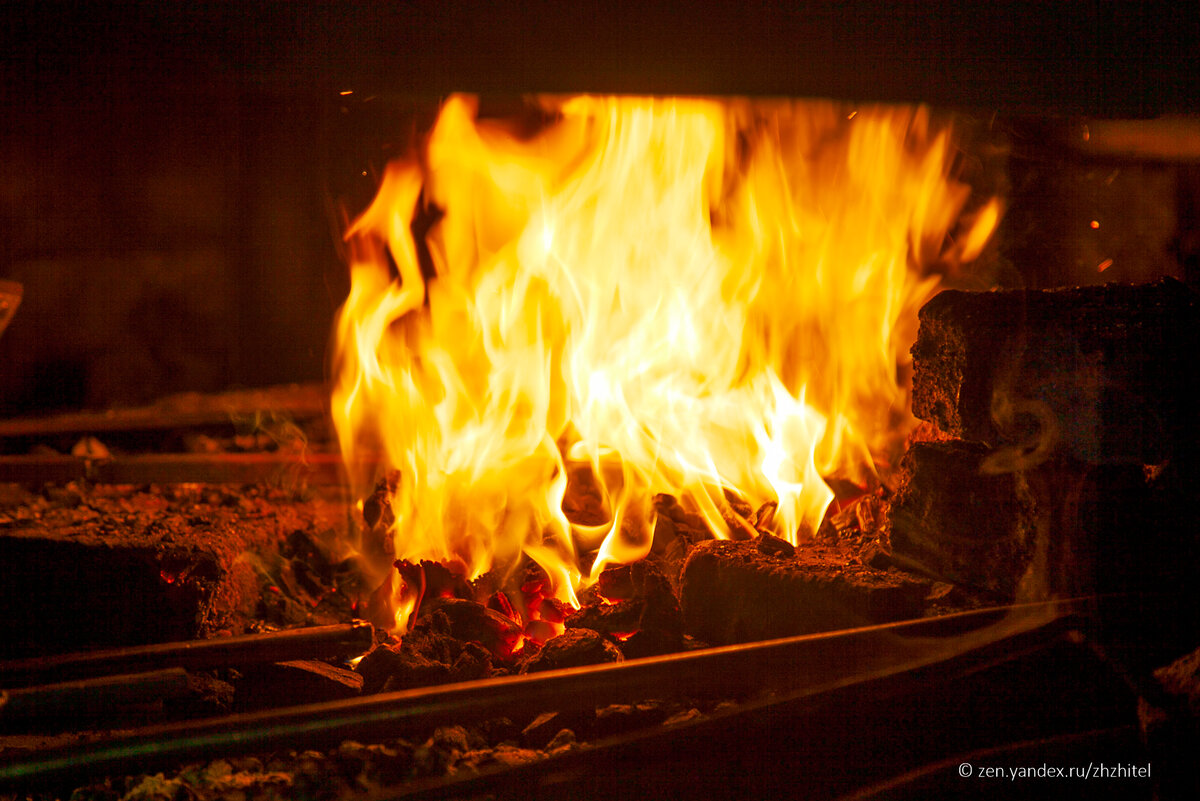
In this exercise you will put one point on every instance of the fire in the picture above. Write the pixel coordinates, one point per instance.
(676, 296)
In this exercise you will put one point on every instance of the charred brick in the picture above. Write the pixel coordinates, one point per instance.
(734, 593)
(951, 520)
(1106, 371)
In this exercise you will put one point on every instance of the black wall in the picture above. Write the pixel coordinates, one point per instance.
(173, 176)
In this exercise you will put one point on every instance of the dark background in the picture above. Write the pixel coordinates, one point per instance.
(174, 177)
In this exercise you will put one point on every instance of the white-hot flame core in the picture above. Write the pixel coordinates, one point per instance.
(686, 295)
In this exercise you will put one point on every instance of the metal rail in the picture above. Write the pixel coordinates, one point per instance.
(817, 742)
(296, 402)
(314, 642)
(175, 468)
(89, 700)
(788, 665)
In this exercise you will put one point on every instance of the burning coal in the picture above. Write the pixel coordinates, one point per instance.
(690, 297)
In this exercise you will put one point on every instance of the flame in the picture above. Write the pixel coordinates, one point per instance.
(680, 296)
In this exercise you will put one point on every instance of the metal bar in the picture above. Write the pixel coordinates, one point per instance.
(297, 402)
(825, 742)
(316, 642)
(106, 697)
(1169, 138)
(802, 740)
(782, 665)
(176, 468)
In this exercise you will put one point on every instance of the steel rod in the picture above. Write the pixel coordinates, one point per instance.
(90, 699)
(912, 700)
(296, 402)
(781, 665)
(175, 468)
(316, 642)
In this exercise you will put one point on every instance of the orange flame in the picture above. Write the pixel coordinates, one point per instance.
(683, 296)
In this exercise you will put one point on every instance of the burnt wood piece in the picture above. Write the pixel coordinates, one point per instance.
(107, 568)
(1106, 372)
(794, 666)
(733, 593)
(950, 520)
(316, 642)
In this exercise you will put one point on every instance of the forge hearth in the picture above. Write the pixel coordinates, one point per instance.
(283, 597)
(1053, 497)
(1055, 438)
(689, 591)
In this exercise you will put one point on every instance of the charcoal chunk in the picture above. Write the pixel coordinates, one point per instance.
(573, 648)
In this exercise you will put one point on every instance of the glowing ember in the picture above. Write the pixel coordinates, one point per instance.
(673, 296)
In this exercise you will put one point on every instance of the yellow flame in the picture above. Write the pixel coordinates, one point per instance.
(681, 295)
